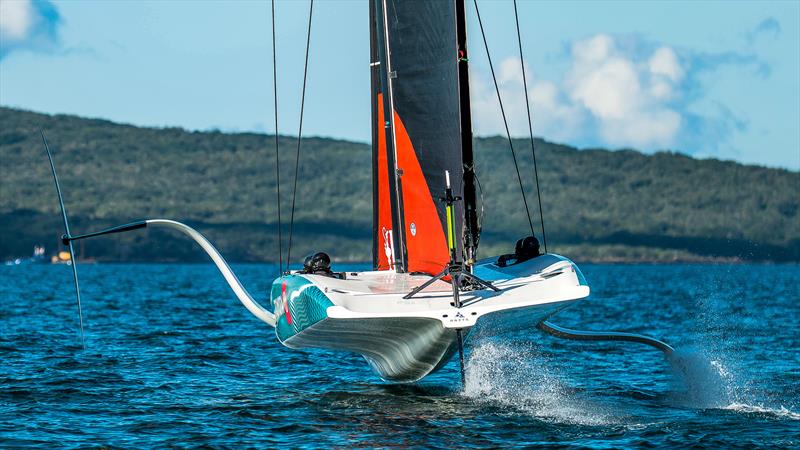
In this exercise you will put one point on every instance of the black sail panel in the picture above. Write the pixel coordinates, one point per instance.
(423, 75)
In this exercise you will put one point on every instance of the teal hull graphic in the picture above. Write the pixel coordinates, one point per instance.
(297, 304)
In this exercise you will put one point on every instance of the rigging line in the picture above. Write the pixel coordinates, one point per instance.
(299, 134)
(530, 126)
(277, 149)
(503, 112)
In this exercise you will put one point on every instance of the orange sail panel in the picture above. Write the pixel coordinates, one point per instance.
(425, 239)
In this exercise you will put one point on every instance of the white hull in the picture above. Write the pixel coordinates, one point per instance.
(404, 340)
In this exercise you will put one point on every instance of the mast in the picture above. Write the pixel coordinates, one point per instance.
(395, 184)
(470, 199)
(374, 91)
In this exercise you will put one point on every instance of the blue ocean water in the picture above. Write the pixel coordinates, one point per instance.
(172, 359)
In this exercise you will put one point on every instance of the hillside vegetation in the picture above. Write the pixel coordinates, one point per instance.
(599, 205)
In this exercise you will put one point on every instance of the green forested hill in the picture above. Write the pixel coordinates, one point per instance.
(599, 204)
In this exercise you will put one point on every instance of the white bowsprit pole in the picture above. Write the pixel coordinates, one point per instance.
(66, 237)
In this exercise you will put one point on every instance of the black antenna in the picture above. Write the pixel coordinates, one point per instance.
(66, 238)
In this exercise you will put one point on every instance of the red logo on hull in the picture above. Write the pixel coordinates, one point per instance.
(285, 299)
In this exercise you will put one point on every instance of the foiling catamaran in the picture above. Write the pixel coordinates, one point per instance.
(428, 292)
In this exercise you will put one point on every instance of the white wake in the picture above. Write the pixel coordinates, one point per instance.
(515, 375)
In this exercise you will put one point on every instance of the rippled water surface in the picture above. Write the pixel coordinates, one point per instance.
(172, 359)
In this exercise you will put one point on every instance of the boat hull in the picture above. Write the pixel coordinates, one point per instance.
(404, 340)
(398, 349)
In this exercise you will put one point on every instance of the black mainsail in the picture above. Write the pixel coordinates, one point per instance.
(422, 128)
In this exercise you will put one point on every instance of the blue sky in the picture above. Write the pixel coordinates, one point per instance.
(710, 79)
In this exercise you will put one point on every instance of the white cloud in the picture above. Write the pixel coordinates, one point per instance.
(661, 90)
(510, 72)
(609, 88)
(27, 24)
(608, 96)
(16, 18)
(596, 48)
(626, 94)
(644, 129)
(665, 62)
(554, 115)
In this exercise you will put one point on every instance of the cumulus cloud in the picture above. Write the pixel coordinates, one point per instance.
(627, 98)
(28, 24)
(554, 113)
(618, 92)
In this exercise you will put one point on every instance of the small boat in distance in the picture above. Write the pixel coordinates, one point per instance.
(36, 258)
(428, 291)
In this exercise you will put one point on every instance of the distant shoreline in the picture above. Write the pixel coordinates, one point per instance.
(600, 206)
